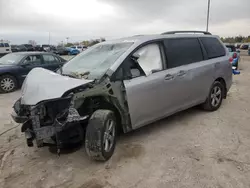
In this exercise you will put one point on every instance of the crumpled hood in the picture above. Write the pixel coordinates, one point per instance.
(42, 84)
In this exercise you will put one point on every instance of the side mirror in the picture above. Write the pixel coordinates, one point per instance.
(135, 57)
(135, 73)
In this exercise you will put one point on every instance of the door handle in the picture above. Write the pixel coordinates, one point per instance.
(181, 73)
(169, 77)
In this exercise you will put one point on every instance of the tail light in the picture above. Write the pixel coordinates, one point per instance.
(235, 55)
(231, 60)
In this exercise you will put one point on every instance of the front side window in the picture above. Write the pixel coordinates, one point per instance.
(95, 61)
(149, 58)
(33, 60)
(183, 51)
(6, 45)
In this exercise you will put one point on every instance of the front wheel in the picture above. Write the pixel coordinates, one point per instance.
(100, 139)
(8, 84)
(215, 97)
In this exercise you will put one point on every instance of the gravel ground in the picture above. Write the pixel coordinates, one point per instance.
(191, 149)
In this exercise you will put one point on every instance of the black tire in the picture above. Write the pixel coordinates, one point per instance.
(208, 105)
(96, 134)
(13, 81)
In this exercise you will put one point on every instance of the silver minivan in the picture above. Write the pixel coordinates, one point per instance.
(121, 85)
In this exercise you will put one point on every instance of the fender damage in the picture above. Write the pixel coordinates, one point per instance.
(53, 107)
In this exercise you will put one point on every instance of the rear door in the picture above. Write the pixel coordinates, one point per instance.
(51, 62)
(184, 57)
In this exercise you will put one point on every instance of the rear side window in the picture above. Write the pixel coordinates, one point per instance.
(1, 45)
(213, 47)
(183, 51)
(49, 59)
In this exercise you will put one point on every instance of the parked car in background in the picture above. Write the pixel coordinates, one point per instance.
(237, 45)
(29, 47)
(62, 50)
(122, 85)
(80, 48)
(46, 47)
(22, 48)
(15, 66)
(234, 53)
(38, 48)
(244, 46)
(249, 49)
(14, 48)
(5, 48)
(18, 48)
(72, 51)
(53, 49)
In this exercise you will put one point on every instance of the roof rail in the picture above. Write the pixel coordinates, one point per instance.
(175, 32)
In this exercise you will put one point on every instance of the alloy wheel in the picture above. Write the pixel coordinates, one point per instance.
(109, 135)
(216, 96)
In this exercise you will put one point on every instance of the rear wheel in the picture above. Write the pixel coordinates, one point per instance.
(8, 84)
(100, 139)
(215, 97)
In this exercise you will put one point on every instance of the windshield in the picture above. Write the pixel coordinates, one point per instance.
(95, 61)
(10, 59)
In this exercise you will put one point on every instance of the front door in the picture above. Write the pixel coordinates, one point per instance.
(149, 95)
(30, 62)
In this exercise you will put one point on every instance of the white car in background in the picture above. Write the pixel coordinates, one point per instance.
(5, 48)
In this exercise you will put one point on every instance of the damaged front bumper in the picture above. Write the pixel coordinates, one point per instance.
(52, 121)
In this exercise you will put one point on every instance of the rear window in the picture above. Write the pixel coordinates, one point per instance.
(182, 51)
(213, 47)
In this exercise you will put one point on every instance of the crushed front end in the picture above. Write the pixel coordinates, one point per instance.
(54, 121)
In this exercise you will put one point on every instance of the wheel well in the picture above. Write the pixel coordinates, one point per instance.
(222, 81)
(92, 104)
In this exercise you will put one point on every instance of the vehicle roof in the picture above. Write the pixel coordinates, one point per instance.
(145, 38)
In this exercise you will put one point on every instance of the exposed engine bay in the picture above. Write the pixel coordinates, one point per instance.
(48, 120)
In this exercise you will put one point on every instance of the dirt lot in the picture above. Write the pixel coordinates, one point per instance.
(191, 149)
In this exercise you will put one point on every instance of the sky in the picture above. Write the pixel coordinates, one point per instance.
(24, 20)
